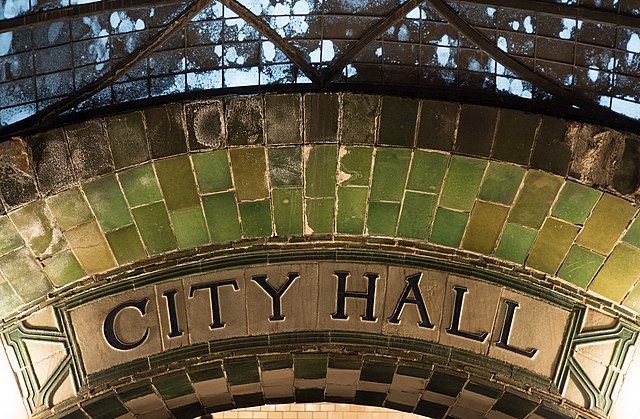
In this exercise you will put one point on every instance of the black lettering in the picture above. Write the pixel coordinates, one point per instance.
(275, 294)
(503, 342)
(343, 294)
(174, 328)
(109, 325)
(455, 320)
(216, 322)
(412, 287)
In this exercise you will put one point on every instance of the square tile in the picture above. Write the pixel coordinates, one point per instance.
(551, 152)
(390, 174)
(427, 171)
(173, 385)
(446, 384)
(355, 166)
(140, 185)
(485, 226)
(89, 149)
(177, 182)
(575, 202)
(501, 182)
(242, 371)
(63, 268)
(35, 224)
(205, 125)
(221, 212)
(417, 215)
(255, 217)
(212, 171)
(190, 227)
(448, 227)
(382, 218)
(249, 169)
(462, 183)
(310, 366)
(244, 120)
(378, 372)
(515, 242)
(535, 198)
(551, 245)
(24, 274)
(580, 266)
(285, 166)
(618, 274)
(287, 211)
(154, 226)
(126, 245)
(165, 131)
(108, 203)
(514, 405)
(632, 236)
(106, 406)
(69, 208)
(320, 170)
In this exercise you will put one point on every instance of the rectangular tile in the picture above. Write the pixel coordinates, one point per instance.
(249, 169)
(603, 228)
(575, 202)
(35, 224)
(221, 212)
(24, 274)
(89, 149)
(140, 185)
(515, 242)
(153, 223)
(352, 205)
(417, 215)
(212, 171)
(501, 182)
(165, 131)
(618, 274)
(551, 245)
(128, 140)
(190, 227)
(177, 182)
(285, 166)
(475, 130)
(390, 174)
(427, 171)
(9, 300)
(9, 237)
(126, 245)
(282, 119)
(90, 247)
(255, 218)
(54, 174)
(398, 121)
(462, 182)
(536, 196)
(70, 208)
(580, 266)
(107, 202)
(173, 385)
(485, 226)
(63, 268)
(287, 211)
(205, 124)
(514, 136)
(320, 170)
(355, 166)
(551, 153)
(244, 120)
(319, 215)
(358, 118)
(632, 236)
(321, 117)
(437, 125)
(448, 227)
(382, 218)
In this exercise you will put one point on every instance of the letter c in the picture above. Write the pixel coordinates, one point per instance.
(109, 325)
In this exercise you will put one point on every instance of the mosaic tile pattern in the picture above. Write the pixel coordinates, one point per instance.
(117, 209)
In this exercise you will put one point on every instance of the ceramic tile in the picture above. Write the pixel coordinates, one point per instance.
(377, 372)
(249, 169)
(580, 266)
(445, 384)
(104, 406)
(171, 386)
(437, 125)
(501, 182)
(282, 119)
(221, 212)
(319, 215)
(177, 183)
(551, 153)
(355, 166)
(126, 245)
(515, 243)
(320, 170)
(128, 140)
(427, 171)
(53, 174)
(462, 182)
(24, 274)
(287, 211)
(514, 136)
(69, 208)
(255, 218)
(35, 224)
(89, 149)
(153, 223)
(9, 300)
(618, 274)
(190, 227)
(285, 166)
(609, 218)
(17, 180)
(485, 225)
(575, 202)
(475, 130)
(358, 118)
(514, 405)
(310, 366)
(140, 185)
(632, 236)
(536, 196)
(448, 227)
(321, 117)
(165, 131)
(390, 174)
(63, 268)
(9, 237)
(244, 120)
(107, 202)
(551, 245)
(212, 171)
(398, 121)
(352, 205)
(383, 218)
(417, 215)
(205, 125)
(632, 300)
(90, 248)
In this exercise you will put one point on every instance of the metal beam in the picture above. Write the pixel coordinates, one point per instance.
(263, 28)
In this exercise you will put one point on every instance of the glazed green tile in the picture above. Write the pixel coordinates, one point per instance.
(90, 247)
(212, 171)
(448, 227)
(390, 173)
(9, 300)
(190, 228)
(255, 218)
(355, 166)
(69, 208)
(632, 236)
(417, 215)
(575, 202)
(107, 201)
(632, 300)
(603, 228)
(126, 245)
(580, 266)
(285, 166)
(551, 245)
(249, 169)
(514, 136)
(310, 366)
(618, 274)
(63, 268)
(320, 215)
(320, 171)
(382, 218)
(173, 385)
(462, 182)
(352, 205)
(155, 229)
(515, 243)
(287, 211)
(24, 274)
(321, 111)
(35, 224)
(103, 407)
(427, 171)
(140, 185)
(177, 182)
(398, 121)
(501, 182)
(127, 136)
(9, 237)
(485, 224)
(535, 198)
(221, 212)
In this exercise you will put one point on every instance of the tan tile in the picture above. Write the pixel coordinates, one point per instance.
(90, 247)
(278, 377)
(245, 389)
(371, 386)
(497, 415)
(465, 412)
(278, 391)
(156, 414)
(343, 377)
(437, 397)
(474, 400)
(304, 383)
(175, 297)
(594, 319)
(402, 397)
(340, 391)
(600, 352)
(44, 318)
(216, 400)
(211, 387)
(573, 393)
(406, 383)
(145, 404)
